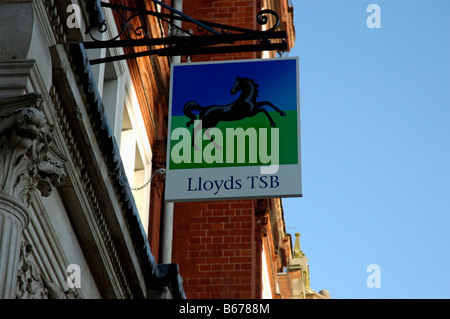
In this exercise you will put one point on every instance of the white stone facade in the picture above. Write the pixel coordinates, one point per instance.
(70, 226)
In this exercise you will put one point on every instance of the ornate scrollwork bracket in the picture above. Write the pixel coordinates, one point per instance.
(203, 38)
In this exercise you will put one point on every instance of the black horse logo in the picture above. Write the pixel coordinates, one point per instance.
(244, 106)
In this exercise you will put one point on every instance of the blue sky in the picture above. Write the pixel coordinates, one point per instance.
(375, 123)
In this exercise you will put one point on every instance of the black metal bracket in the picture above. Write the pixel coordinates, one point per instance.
(210, 37)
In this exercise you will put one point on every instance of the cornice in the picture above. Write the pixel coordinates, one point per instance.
(157, 277)
(89, 189)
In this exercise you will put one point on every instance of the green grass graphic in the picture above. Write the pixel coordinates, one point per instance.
(287, 146)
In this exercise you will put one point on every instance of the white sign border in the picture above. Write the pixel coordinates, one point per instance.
(291, 173)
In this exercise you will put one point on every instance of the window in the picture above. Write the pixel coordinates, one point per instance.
(136, 154)
(113, 97)
(125, 120)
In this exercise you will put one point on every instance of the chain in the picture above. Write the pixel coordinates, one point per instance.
(161, 171)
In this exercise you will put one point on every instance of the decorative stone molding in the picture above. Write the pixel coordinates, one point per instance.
(86, 183)
(262, 222)
(14, 76)
(56, 20)
(262, 218)
(261, 206)
(25, 146)
(32, 284)
(29, 281)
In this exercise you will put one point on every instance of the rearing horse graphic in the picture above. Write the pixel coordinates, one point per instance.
(244, 106)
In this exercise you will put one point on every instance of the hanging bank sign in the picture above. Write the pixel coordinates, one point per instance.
(234, 130)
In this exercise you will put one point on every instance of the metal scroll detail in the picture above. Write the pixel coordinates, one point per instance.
(262, 18)
(203, 38)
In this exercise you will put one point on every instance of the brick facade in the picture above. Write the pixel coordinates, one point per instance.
(214, 244)
(241, 13)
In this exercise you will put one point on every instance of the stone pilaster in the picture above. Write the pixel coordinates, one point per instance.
(28, 161)
(13, 219)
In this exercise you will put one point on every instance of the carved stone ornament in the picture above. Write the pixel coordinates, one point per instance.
(28, 160)
(29, 281)
(32, 284)
(261, 226)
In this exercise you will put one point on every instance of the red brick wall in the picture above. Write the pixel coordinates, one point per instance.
(239, 13)
(215, 248)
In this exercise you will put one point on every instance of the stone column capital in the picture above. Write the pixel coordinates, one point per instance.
(28, 160)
